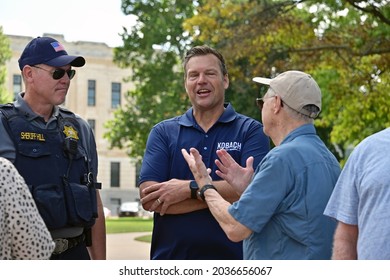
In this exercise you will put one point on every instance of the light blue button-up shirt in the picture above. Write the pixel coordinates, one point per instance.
(284, 203)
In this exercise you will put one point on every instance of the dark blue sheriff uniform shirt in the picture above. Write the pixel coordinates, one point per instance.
(197, 235)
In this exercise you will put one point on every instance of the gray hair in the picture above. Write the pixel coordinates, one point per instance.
(299, 116)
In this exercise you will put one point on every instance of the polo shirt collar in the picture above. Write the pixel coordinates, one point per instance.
(227, 116)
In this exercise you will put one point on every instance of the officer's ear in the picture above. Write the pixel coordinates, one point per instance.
(27, 72)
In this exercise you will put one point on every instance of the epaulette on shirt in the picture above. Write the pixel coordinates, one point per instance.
(65, 111)
(8, 110)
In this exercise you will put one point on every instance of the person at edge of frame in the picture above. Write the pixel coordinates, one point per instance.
(18, 212)
(360, 202)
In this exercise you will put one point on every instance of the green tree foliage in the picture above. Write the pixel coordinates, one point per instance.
(152, 49)
(344, 44)
(5, 54)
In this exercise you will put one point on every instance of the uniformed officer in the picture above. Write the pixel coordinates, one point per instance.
(55, 151)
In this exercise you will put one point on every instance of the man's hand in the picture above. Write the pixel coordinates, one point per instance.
(158, 197)
(234, 230)
(197, 167)
(229, 170)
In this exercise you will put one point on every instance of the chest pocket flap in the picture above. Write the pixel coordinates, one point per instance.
(34, 150)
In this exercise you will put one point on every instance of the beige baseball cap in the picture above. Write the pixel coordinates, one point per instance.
(297, 89)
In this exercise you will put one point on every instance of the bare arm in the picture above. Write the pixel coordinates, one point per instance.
(218, 206)
(170, 197)
(174, 196)
(345, 242)
(234, 230)
(98, 249)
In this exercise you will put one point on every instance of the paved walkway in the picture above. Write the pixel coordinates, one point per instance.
(123, 246)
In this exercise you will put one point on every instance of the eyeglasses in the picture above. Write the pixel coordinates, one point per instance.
(260, 101)
(58, 73)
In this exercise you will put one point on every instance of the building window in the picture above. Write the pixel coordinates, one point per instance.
(115, 95)
(91, 92)
(92, 124)
(115, 173)
(17, 83)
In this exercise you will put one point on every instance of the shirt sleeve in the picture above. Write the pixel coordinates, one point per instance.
(154, 163)
(344, 200)
(7, 146)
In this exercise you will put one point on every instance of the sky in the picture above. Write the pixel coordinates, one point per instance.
(78, 20)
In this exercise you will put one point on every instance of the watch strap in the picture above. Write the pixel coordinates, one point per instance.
(205, 188)
(194, 189)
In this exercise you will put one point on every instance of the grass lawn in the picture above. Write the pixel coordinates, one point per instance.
(130, 224)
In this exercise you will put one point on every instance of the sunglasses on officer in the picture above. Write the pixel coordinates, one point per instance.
(58, 73)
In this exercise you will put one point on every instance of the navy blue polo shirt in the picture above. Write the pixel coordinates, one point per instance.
(197, 235)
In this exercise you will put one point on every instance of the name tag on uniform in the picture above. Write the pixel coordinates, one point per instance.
(32, 136)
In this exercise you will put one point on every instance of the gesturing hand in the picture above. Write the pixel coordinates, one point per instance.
(237, 176)
(197, 167)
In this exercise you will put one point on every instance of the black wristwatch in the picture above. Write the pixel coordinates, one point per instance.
(194, 188)
(205, 188)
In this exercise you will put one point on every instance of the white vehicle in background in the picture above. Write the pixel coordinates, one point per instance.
(107, 212)
(129, 209)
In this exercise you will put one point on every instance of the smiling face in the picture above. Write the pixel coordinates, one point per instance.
(204, 82)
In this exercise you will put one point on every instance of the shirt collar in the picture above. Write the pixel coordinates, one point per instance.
(24, 108)
(302, 130)
(227, 116)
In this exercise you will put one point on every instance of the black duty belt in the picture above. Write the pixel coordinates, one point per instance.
(63, 244)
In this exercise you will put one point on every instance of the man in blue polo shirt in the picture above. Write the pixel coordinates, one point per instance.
(280, 212)
(184, 228)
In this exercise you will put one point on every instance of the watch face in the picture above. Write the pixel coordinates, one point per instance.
(193, 185)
